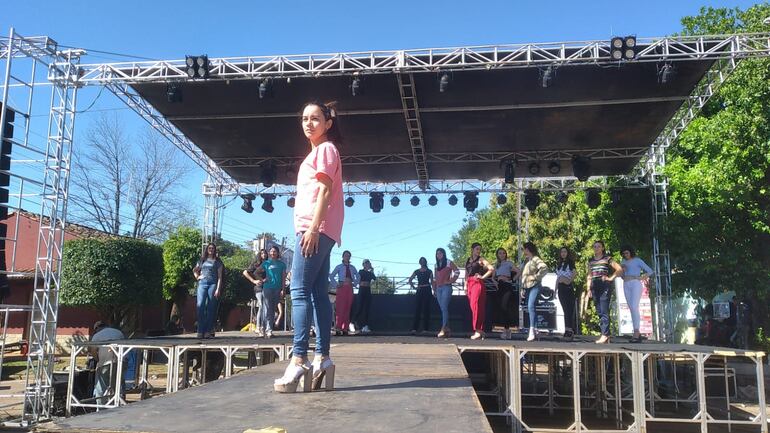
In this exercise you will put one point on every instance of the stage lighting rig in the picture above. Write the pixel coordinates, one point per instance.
(356, 87)
(414, 200)
(290, 202)
(395, 201)
(534, 168)
(581, 167)
(197, 66)
(554, 167)
(376, 201)
(470, 200)
(623, 48)
(593, 198)
(247, 199)
(452, 200)
(432, 200)
(267, 204)
(349, 202)
(502, 199)
(173, 92)
(510, 173)
(443, 82)
(265, 88)
(531, 199)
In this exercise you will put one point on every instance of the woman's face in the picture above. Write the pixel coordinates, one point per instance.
(211, 250)
(563, 253)
(314, 124)
(626, 254)
(273, 253)
(439, 255)
(476, 251)
(527, 253)
(502, 255)
(263, 254)
(598, 249)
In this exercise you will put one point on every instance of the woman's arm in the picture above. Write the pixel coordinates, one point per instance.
(618, 271)
(455, 272)
(542, 269)
(248, 276)
(490, 269)
(309, 241)
(197, 272)
(588, 280)
(354, 274)
(333, 276)
(647, 270)
(411, 284)
(218, 291)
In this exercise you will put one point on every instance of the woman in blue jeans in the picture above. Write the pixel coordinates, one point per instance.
(532, 273)
(318, 215)
(445, 274)
(208, 273)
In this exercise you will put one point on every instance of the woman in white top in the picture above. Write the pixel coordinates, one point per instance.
(632, 285)
(565, 273)
(505, 272)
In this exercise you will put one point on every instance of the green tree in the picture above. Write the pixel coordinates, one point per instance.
(114, 275)
(181, 251)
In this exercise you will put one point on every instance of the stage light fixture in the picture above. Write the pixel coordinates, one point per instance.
(395, 201)
(561, 197)
(502, 199)
(414, 200)
(593, 198)
(432, 200)
(267, 203)
(376, 201)
(197, 66)
(267, 175)
(443, 83)
(173, 92)
(452, 200)
(510, 173)
(356, 87)
(666, 73)
(349, 202)
(623, 48)
(531, 199)
(265, 89)
(247, 199)
(629, 47)
(470, 200)
(547, 77)
(554, 167)
(581, 167)
(290, 202)
(534, 168)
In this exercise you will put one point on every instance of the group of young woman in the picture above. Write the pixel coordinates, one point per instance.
(268, 275)
(344, 278)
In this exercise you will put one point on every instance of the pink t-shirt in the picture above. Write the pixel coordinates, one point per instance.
(325, 159)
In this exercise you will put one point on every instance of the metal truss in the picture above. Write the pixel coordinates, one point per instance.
(212, 223)
(411, 109)
(597, 52)
(445, 157)
(544, 184)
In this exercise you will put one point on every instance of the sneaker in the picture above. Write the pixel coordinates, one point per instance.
(366, 330)
(260, 332)
(352, 328)
(269, 334)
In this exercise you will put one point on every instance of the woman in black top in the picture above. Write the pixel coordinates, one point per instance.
(424, 295)
(256, 275)
(366, 276)
(565, 274)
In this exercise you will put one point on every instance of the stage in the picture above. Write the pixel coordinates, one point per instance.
(415, 383)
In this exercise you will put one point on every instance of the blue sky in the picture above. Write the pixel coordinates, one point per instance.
(395, 238)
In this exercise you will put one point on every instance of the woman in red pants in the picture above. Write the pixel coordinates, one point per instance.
(344, 277)
(477, 268)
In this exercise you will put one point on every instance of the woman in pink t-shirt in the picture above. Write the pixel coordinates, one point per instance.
(318, 215)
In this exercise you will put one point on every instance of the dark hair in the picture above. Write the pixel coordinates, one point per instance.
(569, 261)
(628, 248)
(423, 261)
(329, 110)
(532, 248)
(205, 254)
(275, 247)
(474, 245)
(441, 264)
(604, 248)
(497, 256)
(259, 256)
(346, 252)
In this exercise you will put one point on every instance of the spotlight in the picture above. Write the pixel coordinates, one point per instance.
(173, 92)
(267, 204)
(547, 77)
(443, 83)
(349, 202)
(502, 199)
(581, 167)
(534, 168)
(197, 66)
(471, 200)
(666, 73)
(376, 201)
(616, 195)
(623, 48)
(432, 200)
(509, 172)
(265, 89)
(267, 175)
(629, 43)
(414, 200)
(356, 88)
(247, 199)
(616, 48)
(554, 167)
(531, 199)
(561, 197)
(452, 200)
(593, 198)
(290, 202)
(395, 201)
